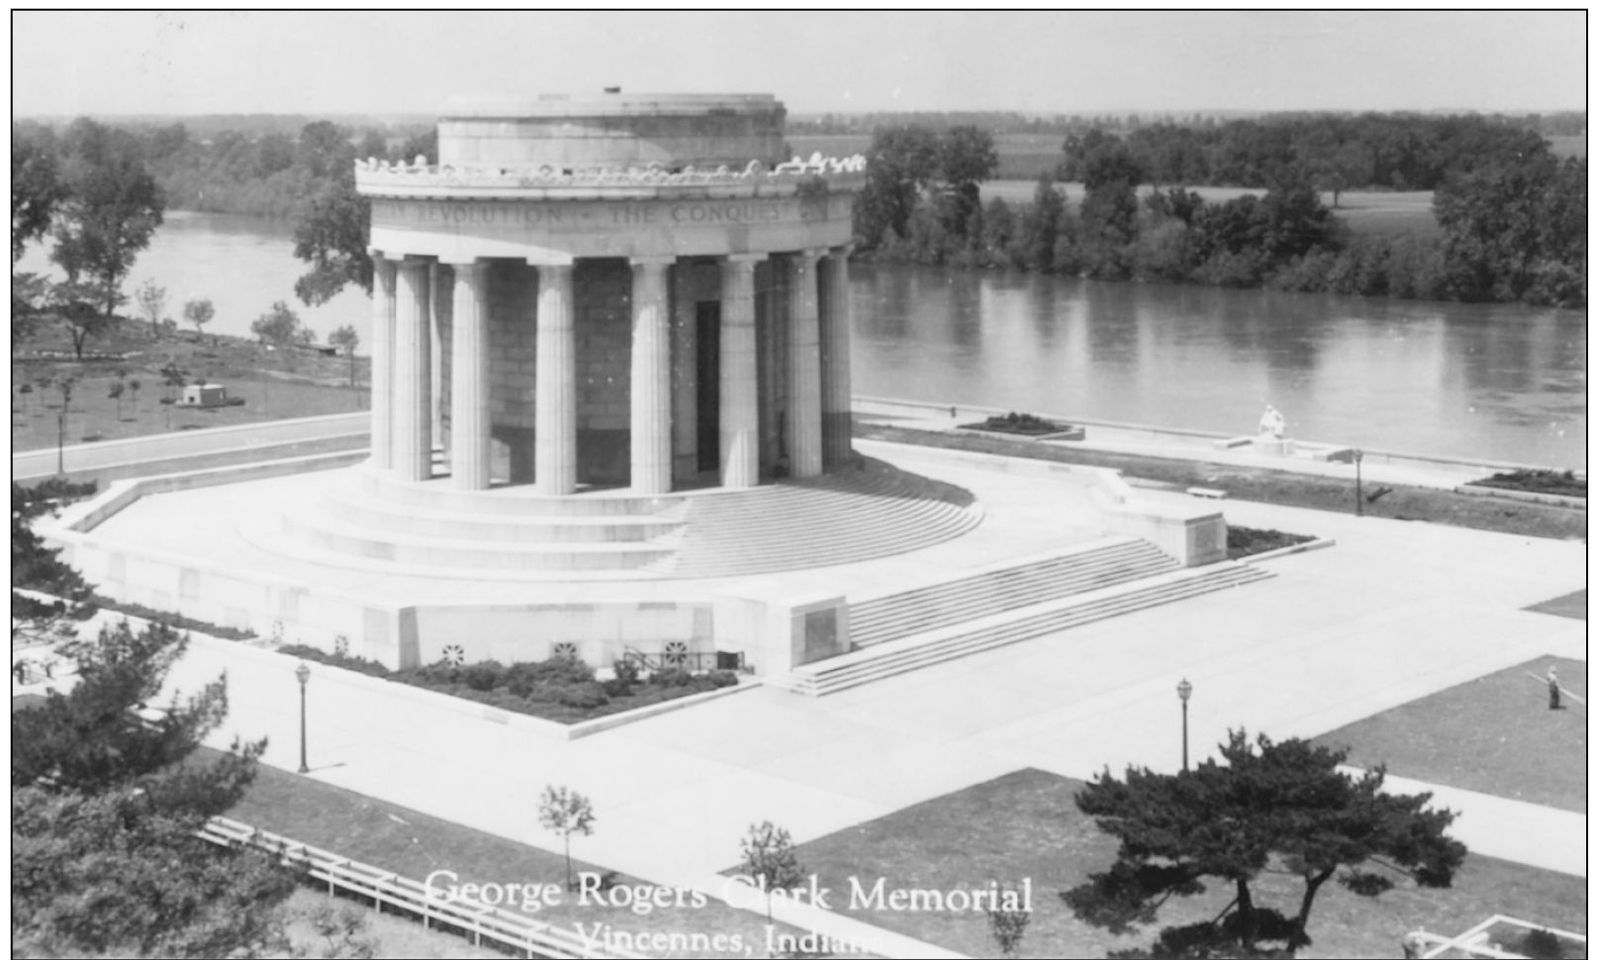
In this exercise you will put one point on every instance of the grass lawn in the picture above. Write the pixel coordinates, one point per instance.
(1273, 486)
(1025, 825)
(1495, 734)
(1573, 605)
(414, 844)
(275, 385)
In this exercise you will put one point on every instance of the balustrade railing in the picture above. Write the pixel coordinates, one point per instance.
(677, 659)
(374, 172)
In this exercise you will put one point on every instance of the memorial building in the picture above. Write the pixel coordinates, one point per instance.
(625, 290)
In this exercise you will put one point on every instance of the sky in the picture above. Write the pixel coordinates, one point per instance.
(190, 62)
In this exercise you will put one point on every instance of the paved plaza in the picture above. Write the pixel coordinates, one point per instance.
(1394, 611)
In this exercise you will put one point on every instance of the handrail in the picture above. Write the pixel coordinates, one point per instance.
(481, 919)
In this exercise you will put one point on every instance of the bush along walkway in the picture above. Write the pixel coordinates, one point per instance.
(563, 689)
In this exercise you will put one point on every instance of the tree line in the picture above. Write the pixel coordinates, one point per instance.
(1560, 123)
(1368, 151)
(96, 194)
(1512, 221)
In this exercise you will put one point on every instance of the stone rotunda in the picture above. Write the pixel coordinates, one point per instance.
(630, 291)
(611, 342)
(595, 321)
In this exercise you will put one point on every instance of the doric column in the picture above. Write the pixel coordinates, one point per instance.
(739, 423)
(837, 428)
(805, 369)
(382, 361)
(650, 427)
(469, 378)
(442, 280)
(685, 376)
(413, 447)
(555, 402)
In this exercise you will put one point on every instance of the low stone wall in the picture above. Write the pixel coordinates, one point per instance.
(1192, 534)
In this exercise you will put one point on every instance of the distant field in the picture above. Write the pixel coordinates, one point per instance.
(1022, 157)
(1368, 212)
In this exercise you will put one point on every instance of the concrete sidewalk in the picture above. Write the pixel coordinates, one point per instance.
(1148, 441)
(123, 455)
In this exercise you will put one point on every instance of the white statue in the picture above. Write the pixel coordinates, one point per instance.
(1272, 423)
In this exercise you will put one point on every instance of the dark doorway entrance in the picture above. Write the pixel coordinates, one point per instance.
(708, 390)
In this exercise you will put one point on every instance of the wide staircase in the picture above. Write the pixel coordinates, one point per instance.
(931, 624)
(359, 518)
(365, 520)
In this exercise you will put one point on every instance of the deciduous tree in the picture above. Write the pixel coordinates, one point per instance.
(1111, 175)
(1517, 230)
(281, 327)
(152, 300)
(565, 812)
(346, 339)
(1041, 224)
(769, 859)
(36, 189)
(332, 237)
(199, 312)
(1283, 807)
(111, 210)
(900, 164)
(966, 157)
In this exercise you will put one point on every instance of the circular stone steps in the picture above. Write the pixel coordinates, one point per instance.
(369, 521)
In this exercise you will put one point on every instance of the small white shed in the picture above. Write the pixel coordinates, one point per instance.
(205, 395)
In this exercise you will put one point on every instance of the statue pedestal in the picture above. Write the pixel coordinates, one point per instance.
(1276, 446)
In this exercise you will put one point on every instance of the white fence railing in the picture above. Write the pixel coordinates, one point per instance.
(483, 921)
(1483, 940)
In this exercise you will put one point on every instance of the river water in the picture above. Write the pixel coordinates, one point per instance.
(1495, 382)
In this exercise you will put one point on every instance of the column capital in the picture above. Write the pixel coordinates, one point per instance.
(551, 260)
(809, 253)
(461, 260)
(415, 260)
(842, 250)
(652, 261)
(745, 257)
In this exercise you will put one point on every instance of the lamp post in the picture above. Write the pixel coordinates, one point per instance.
(302, 673)
(1184, 691)
(1360, 501)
